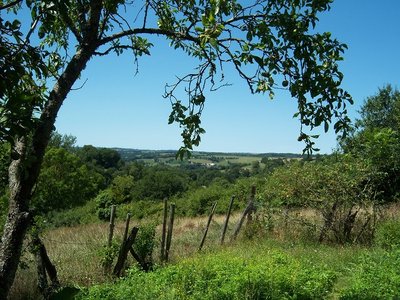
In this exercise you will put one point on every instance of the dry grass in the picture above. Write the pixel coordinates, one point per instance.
(77, 251)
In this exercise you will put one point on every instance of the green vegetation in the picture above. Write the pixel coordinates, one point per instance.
(268, 44)
(311, 212)
(303, 205)
(226, 275)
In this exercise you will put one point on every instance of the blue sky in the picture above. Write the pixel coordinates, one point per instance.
(114, 108)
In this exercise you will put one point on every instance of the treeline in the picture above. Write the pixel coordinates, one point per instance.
(136, 154)
(72, 177)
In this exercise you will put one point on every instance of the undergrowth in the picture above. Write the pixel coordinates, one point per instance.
(228, 274)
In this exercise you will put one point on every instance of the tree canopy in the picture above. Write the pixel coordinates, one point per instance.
(376, 139)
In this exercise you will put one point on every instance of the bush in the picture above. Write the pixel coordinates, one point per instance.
(387, 234)
(104, 200)
(140, 209)
(79, 215)
(145, 244)
(376, 276)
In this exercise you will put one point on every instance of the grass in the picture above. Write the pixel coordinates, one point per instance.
(77, 253)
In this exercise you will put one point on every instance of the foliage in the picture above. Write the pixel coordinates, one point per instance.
(158, 183)
(338, 187)
(64, 182)
(276, 40)
(377, 141)
(101, 157)
(270, 164)
(5, 157)
(376, 276)
(141, 209)
(22, 73)
(66, 141)
(199, 201)
(271, 275)
(121, 188)
(104, 200)
(109, 253)
(388, 234)
(145, 244)
(84, 214)
(381, 110)
(265, 41)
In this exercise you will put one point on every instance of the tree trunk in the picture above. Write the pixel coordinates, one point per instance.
(24, 170)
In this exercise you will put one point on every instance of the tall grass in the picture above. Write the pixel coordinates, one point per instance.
(77, 253)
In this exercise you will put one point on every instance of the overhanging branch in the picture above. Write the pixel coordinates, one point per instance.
(155, 31)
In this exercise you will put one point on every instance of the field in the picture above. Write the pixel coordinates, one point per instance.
(210, 159)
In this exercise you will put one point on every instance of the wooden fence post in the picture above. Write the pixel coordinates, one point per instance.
(228, 214)
(108, 262)
(170, 227)
(164, 230)
(44, 265)
(247, 212)
(111, 226)
(128, 218)
(125, 247)
(207, 226)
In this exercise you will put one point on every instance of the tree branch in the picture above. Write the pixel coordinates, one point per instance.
(155, 31)
(68, 21)
(11, 4)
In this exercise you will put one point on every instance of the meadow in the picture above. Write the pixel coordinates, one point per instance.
(279, 262)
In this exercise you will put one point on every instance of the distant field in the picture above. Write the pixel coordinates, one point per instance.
(209, 159)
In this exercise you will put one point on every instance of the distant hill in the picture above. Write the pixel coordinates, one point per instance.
(199, 157)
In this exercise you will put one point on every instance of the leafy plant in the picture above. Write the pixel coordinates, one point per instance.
(145, 243)
(227, 275)
(104, 200)
(387, 234)
(376, 276)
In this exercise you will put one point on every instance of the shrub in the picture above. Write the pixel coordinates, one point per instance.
(387, 234)
(145, 244)
(78, 215)
(226, 275)
(376, 276)
(103, 202)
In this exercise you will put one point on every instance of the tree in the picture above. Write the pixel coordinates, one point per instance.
(376, 139)
(65, 141)
(338, 187)
(100, 157)
(270, 43)
(64, 182)
(381, 110)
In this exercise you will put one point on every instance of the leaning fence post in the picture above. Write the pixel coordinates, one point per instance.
(164, 229)
(128, 218)
(228, 214)
(170, 227)
(123, 252)
(247, 212)
(208, 225)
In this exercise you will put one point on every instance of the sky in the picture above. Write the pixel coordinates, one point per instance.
(113, 107)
